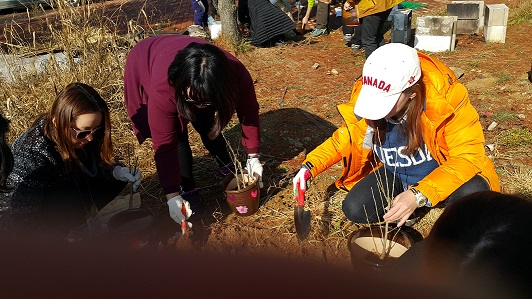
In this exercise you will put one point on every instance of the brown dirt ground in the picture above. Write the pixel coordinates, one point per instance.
(298, 112)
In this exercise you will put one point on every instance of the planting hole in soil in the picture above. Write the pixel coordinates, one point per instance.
(367, 244)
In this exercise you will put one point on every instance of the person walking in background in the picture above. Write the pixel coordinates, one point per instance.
(352, 35)
(214, 9)
(374, 16)
(411, 136)
(322, 21)
(64, 169)
(201, 12)
(322, 18)
(171, 80)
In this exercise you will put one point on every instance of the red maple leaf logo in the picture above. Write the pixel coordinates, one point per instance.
(411, 80)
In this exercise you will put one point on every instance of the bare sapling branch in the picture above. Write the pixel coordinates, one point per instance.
(385, 194)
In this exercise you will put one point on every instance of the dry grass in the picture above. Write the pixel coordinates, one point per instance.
(94, 53)
(85, 46)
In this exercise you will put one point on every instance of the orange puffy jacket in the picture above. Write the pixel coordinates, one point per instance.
(451, 130)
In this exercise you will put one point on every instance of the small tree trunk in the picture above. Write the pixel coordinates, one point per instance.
(228, 12)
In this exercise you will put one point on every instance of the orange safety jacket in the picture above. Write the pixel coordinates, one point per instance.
(451, 131)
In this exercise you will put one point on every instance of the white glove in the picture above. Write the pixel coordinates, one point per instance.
(175, 205)
(302, 179)
(253, 166)
(129, 175)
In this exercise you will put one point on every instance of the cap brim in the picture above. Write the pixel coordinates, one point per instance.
(374, 105)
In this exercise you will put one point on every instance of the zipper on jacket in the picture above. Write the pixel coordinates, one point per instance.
(346, 165)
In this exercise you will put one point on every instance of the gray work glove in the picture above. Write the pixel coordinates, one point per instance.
(128, 175)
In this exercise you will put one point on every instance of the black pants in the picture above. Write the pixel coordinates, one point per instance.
(355, 31)
(214, 7)
(373, 29)
(365, 203)
(216, 147)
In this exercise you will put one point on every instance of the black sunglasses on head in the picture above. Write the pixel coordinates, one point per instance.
(82, 134)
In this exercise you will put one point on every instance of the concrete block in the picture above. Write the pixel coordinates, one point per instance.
(466, 10)
(468, 26)
(401, 19)
(436, 25)
(496, 15)
(401, 36)
(433, 43)
(495, 34)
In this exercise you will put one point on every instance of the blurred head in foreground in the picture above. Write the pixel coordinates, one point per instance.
(482, 244)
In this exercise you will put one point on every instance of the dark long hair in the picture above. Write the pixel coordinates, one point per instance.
(480, 237)
(74, 100)
(412, 128)
(6, 156)
(204, 69)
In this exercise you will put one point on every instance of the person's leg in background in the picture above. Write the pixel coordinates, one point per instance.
(201, 9)
(348, 31)
(356, 40)
(372, 31)
(214, 9)
(322, 18)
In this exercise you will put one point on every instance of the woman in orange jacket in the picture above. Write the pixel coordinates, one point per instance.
(413, 118)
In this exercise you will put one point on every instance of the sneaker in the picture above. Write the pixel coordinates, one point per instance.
(347, 38)
(318, 32)
(355, 47)
(279, 43)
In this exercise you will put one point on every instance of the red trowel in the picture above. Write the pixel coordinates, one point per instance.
(301, 217)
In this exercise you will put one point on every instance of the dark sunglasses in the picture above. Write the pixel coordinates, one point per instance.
(198, 104)
(82, 134)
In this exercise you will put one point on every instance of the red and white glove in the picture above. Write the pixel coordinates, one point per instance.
(302, 179)
(175, 208)
(253, 166)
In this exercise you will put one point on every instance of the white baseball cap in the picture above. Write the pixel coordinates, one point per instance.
(388, 71)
